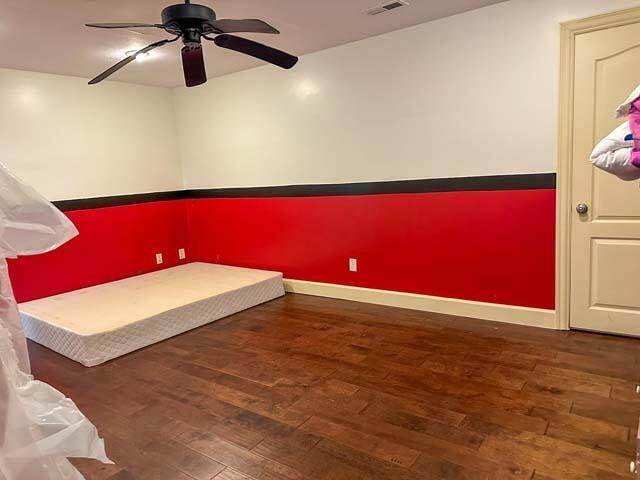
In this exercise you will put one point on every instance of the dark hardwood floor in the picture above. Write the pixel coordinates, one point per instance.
(320, 389)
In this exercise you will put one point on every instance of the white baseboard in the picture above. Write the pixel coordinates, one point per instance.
(533, 317)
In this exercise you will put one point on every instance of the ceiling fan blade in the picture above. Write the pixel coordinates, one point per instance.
(110, 71)
(123, 25)
(257, 50)
(250, 25)
(193, 65)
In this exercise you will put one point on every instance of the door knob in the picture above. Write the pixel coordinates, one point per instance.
(582, 208)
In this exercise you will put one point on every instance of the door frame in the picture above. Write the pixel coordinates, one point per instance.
(564, 209)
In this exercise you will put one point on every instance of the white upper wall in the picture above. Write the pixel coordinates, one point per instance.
(473, 94)
(70, 140)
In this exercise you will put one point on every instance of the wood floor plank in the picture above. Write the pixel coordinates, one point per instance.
(229, 474)
(466, 466)
(617, 412)
(626, 393)
(403, 411)
(588, 432)
(143, 464)
(430, 432)
(194, 464)
(515, 417)
(94, 470)
(121, 475)
(226, 453)
(356, 440)
(547, 454)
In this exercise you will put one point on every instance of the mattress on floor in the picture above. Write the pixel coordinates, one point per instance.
(97, 324)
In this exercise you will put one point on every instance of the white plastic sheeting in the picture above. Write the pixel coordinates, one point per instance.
(39, 427)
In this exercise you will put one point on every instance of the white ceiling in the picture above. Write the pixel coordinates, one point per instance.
(49, 36)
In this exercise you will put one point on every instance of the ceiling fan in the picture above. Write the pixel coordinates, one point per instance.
(192, 23)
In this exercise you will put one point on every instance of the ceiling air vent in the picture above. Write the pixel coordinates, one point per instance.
(386, 8)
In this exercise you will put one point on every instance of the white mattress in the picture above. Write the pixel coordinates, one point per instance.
(97, 324)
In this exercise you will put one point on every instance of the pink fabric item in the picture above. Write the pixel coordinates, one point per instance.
(634, 125)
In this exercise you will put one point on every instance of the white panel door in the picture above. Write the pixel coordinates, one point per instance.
(605, 241)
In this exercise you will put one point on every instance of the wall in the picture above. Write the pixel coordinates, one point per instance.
(472, 94)
(114, 243)
(469, 245)
(73, 141)
(70, 140)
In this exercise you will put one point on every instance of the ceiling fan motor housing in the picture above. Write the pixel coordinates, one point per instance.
(187, 18)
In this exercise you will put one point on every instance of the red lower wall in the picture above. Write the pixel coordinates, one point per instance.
(114, 243)
(493, 246)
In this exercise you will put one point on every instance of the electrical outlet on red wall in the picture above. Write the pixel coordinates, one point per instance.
(353, 264)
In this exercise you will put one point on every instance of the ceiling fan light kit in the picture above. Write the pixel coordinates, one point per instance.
(191, 23)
